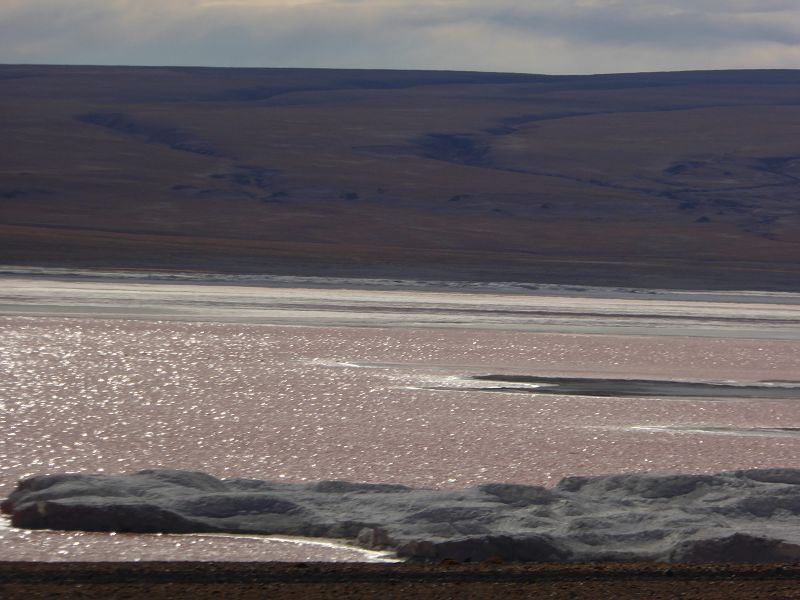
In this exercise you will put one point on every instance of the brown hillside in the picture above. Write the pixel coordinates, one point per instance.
(664, 180)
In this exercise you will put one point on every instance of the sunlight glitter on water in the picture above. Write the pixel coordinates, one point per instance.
(306, 403)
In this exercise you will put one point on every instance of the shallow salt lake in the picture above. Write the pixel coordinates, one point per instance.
(382, 404)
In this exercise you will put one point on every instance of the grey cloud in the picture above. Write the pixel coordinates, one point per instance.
(521, 35)
(623, 24)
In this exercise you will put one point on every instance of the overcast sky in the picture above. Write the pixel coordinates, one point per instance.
(533, 36)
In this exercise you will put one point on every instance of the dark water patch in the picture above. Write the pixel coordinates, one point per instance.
(638, 388)
(749, 431)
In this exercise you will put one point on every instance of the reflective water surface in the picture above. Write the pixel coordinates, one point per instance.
(361, 403)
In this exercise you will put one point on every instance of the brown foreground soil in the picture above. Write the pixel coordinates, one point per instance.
(311, 581)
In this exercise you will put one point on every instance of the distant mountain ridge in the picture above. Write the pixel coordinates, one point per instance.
(671, 180)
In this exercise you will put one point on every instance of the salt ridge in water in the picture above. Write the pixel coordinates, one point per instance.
(747, 516)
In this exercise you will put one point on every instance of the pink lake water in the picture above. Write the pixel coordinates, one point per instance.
(304, 403)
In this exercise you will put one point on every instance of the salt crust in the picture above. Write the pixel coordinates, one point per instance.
(738, 516)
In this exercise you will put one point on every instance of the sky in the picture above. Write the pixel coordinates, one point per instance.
(533, 36)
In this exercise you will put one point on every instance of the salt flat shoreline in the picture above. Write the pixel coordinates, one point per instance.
(394, 284)
(322, 302)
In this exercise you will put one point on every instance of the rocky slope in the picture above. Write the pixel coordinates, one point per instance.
(662, 180)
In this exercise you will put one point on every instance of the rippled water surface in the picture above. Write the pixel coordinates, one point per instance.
(310, 403)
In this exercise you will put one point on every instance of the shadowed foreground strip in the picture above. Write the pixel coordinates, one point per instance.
(312, 581)
(747, 516)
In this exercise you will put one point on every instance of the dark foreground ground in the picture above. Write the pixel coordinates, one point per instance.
(311, 581)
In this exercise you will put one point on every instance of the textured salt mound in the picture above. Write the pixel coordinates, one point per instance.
(749, 516)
